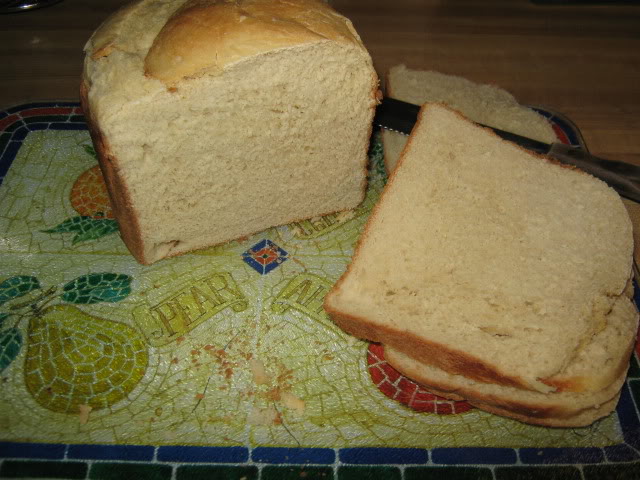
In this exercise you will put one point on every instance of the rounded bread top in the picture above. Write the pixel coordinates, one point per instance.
(207, 35)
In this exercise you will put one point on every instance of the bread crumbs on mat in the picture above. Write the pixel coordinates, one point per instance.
(85, 410)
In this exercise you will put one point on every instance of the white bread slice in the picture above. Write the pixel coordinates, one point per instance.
(603, 361)
(485, 104)
(546, 409)
(485, 260)
(215, 119)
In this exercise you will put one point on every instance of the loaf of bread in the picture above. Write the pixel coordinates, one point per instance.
(486, 261)
(214, 119)
(485, 104)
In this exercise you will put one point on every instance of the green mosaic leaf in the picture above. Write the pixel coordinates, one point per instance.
(90, 150)
(10, 343)
(97, 287)
(17, 286)
(3, 317)
(97, 228)
(74, 224)
(86, 228)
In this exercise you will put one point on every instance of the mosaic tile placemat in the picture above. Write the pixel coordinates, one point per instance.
(222, 363)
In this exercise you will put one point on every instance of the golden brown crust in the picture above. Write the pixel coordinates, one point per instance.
(207, 35)
(581, 418)
(118, 193)
(103, 39)
(583, 384)
(432, 353)
(552, 409)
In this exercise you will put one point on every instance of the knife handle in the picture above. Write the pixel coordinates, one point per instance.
(622, 177)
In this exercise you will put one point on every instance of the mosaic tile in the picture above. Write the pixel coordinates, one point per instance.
(383, 455)
(537, 473)
(447, 473)
(612, 472)
(621, 453)
(42, 469)
(47, 119)
(476, 455)
(187, 454)
(369, 473)
(296, 473)
(264, 256)
(560, 455)
(634, 368)
(293, 455)
(208, 472)
(628, 414)
(31, 450)
(119, 471)
(111, 452)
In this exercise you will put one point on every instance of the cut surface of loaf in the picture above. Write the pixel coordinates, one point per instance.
(215, 120)
(485, 104)
(485, 260)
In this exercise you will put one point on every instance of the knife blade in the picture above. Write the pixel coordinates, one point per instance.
(399, 116)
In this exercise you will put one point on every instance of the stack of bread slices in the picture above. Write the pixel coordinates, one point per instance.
(495, 275)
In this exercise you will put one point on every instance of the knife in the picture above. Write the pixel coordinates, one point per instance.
(623, 177)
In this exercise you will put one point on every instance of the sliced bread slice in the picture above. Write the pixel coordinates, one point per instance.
(485, 260)
(546, 409)
(603, 361)
(486, 104)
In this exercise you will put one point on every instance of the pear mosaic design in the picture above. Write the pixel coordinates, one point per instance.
(73, 358)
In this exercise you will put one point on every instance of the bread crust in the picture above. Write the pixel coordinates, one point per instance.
(208, 35)
(552, 409)
(582, 418)
(121, 204)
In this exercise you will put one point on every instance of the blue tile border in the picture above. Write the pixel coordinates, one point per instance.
(195, 454)
(628, 416)
(20, 129)
(383, 456)
(536, 456)
(621, 453)
(302, 455)
(49, 451)
(27, 106)
(474, 456)
(111, 452)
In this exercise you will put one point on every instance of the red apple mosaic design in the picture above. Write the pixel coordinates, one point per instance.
(398, 387)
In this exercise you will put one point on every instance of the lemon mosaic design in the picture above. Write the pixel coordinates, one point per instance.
(253, 360)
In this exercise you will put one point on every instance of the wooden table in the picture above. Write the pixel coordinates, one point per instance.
(583, 61)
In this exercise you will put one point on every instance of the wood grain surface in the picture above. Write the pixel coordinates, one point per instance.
(581, 60)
